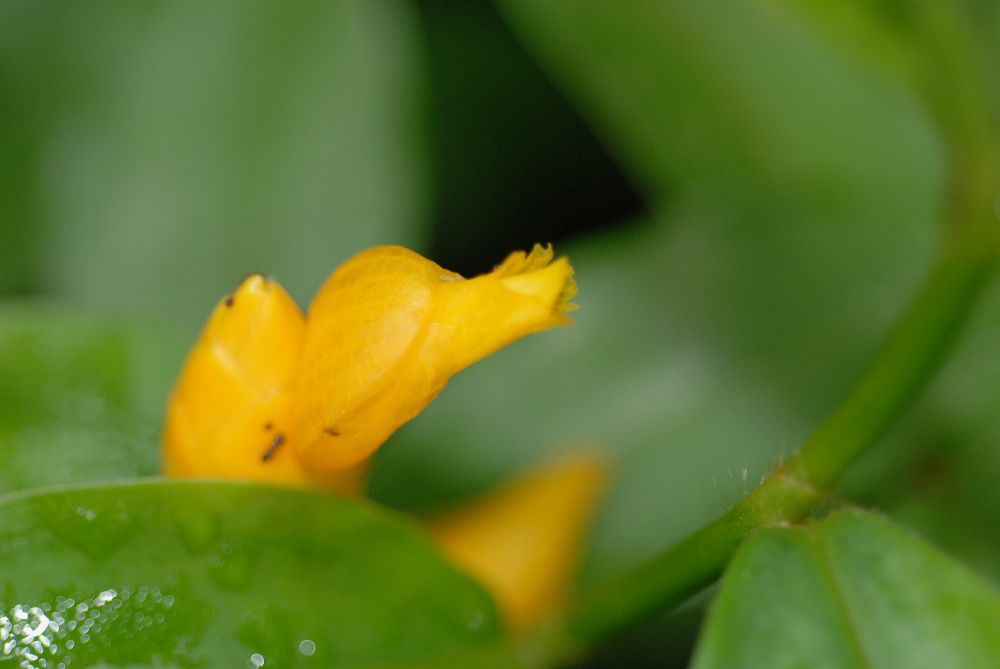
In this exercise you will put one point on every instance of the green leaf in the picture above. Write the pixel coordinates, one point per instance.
(943, 52)
(81, 398)
(854, 592)
(185, 145)
(196, 574)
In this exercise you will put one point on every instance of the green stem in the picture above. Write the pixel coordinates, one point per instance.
(687, 568)
(914, 351)
(901, 372)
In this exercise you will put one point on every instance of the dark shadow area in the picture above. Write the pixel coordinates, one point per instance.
(511, 162)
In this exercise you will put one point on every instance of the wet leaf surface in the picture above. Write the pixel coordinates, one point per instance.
(201, 574)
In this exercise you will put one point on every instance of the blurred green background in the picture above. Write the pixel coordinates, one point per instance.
(748, 199)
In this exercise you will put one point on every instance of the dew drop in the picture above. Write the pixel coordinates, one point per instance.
(85, 513)
(88, 629)
(232, 566)
(307, 647)
(104, 597)
(257, 660)
(197, 528)
(93, 524)
(476, 621)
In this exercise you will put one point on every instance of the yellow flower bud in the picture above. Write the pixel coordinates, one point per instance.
(523, 540)
(267, 394)
(389, 328)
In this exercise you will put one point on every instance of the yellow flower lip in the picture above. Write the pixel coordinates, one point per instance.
(521, 264)
(270, 394)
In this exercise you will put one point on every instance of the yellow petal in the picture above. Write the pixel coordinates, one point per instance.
(230, 412)
(523, 540)
(389, 328)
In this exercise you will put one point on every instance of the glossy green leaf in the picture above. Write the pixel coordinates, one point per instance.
(196, 574)
(179, 146)
(850, 592)
(80, 398)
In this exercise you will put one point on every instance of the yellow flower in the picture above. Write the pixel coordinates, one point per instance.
(270, 395)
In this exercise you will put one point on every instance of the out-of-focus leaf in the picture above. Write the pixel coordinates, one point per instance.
(987, 24)
(80, 399)
(643, 372)
(876, 32)
(210, 141)
(730, 99)
(940, 470)
(697, 357)
(192, 574)
(940, 49)
(627, 373)
(713, 338)
(852, 591)
(34, 95)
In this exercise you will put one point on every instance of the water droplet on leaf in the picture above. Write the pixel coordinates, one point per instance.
(197, 528)
(97, 527)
